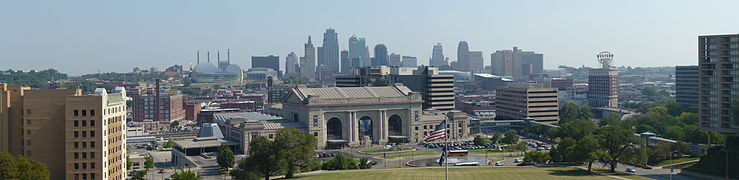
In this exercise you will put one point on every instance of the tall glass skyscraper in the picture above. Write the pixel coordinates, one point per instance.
(437, 56)
(357, 51)
(329, 53)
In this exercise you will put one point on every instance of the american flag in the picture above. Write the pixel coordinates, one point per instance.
(439, 133)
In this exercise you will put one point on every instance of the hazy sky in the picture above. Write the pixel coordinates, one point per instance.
(81, 37)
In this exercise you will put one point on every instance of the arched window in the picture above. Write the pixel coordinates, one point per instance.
(395, 126)
(334, 129)
(365, 127)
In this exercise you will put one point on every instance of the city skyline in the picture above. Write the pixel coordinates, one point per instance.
(65, 36)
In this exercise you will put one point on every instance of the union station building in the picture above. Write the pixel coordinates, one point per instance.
(350, 116)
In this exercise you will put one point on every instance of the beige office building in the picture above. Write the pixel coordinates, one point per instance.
(522, 100)
(78, 136)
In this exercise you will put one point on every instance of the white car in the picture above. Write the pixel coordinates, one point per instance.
(517, 160)
(631, 170)
(498, 163)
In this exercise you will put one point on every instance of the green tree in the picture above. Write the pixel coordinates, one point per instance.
(187, 175)
(364, 164)
(225, 157)
(262, 161)
(295, 149)
(148, 162)
(128, 163)
(571, 112)
(169, 144)
(496, 136)
(576, 129)
(510, 137)
(611, 119)
(479, 140)
(17, 167)
(588, 150)
(521, 146)
(174, 124)
(340, 162)
(649, 91)
(536, 157)
(615, 141)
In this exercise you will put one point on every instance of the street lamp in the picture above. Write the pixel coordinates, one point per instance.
(726, 171)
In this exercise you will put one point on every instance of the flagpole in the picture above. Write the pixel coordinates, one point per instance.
(446, 149)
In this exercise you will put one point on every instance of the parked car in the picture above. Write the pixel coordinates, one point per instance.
(517, 160)
(631, 170)
(498, 163)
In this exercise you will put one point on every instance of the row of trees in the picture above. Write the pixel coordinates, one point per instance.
(510, 138)
(17, 167)
(341, 162)
(581, 141)
(290, 152)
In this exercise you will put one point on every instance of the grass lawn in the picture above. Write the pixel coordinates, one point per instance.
(525, 173)
(409, 154)
(618, 173)
(675, 161)
(385, 150)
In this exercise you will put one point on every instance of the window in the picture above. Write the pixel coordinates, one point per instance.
(76, 144)
(315, 120)
(84, 133)
(76, 155)
(76, 112)
(84, 123)
(76, 166)
(84, 155)
(92, 155)
(424, 126)
(28, 121)
(92, 122)
(28, 142)
(76, 124)
(92, 175)
(271, 136)
(28, 153)
(76, 134)
(92, 112)
(84, 166)
(28, 111)
(84, 112)
(416, 128)
(92, 144)
(84, 144)
(92, 166)
(315, 134)
(28, 131)
(92, 133)
(416, 116)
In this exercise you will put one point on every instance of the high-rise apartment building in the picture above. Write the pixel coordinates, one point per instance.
(409, 61)
(270, 61)
(381, 57)
(394, 59)
(291, 65)
(524, 100)
(463, 57)
(476, 62)
(603, 83)
(437, 56)
(718, 60)
(686, 85)
(77, 136)
(329, 53)
(358, 52)
(346, 63)
(308, 62)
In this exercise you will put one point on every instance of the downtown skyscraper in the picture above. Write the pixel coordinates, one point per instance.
(291, 65)
(463, 57)
(308, 62)
(328, 55)
(381, 57)
(718, 79)
(437, 57)
(358, 52)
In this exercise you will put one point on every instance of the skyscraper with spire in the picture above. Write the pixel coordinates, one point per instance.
(308, 62)
(329, 53)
